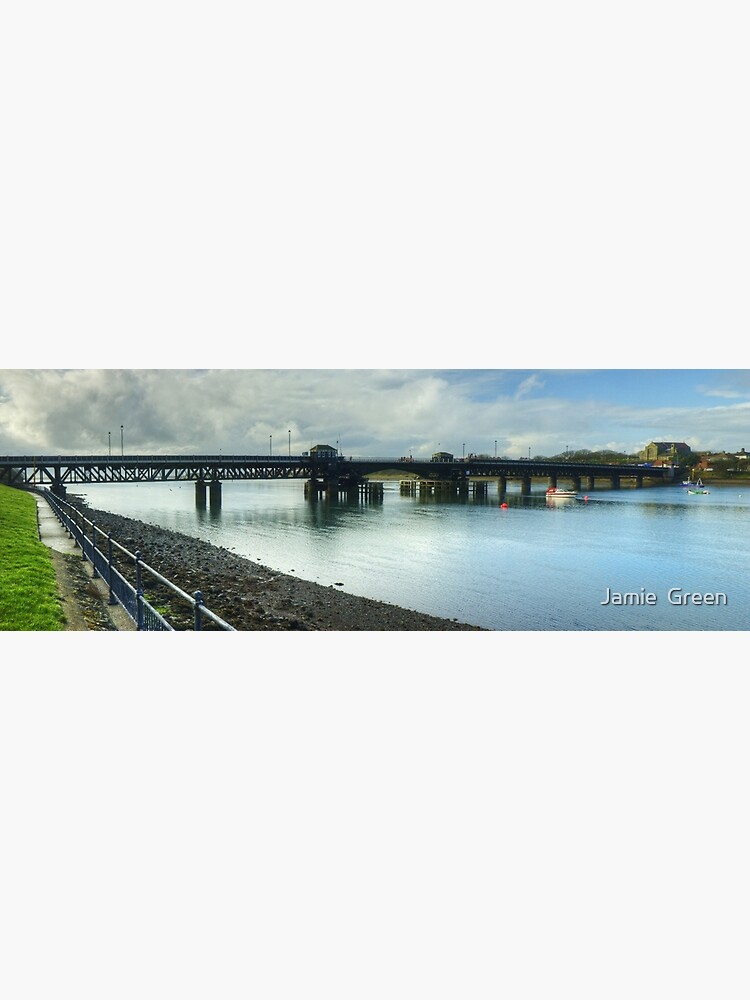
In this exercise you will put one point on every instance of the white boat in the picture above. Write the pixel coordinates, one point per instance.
(555, 493)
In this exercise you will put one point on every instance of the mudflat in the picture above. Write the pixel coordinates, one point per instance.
(250, 596)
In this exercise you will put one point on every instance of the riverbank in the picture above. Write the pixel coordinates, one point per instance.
(252, 597)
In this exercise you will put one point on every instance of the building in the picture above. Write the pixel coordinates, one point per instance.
(724, 461)
(442, 456)
(322, 451)
(666, 453)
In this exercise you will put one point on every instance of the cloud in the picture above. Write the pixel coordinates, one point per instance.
(530, 384)
(387, 412)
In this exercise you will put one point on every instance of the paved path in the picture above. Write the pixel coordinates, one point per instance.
(54, 536)
(51, 531)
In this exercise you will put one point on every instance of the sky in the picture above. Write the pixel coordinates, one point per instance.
(370, 412)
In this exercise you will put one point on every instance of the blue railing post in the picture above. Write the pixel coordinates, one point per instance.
(198, 602)
(138, 593)
(112, 599)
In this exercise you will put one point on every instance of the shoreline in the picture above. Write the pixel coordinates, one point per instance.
(252, 597)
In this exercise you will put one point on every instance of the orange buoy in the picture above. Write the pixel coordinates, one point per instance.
(504, 506)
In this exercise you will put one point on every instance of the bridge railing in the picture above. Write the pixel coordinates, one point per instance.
(99, 549)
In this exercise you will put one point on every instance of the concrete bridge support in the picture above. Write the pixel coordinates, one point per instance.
(525, 486)
(615, 480)
(214, 494)
(200, 494)
(502, 485)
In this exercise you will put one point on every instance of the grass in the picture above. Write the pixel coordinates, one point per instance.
(29, 599)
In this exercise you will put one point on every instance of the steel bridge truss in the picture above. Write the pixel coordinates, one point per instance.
(61, 471)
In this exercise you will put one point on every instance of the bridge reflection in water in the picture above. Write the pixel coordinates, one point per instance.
(326, 477)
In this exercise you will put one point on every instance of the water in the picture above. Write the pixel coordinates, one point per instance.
(537, 565)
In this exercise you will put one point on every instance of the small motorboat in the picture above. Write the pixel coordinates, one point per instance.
(555, 493)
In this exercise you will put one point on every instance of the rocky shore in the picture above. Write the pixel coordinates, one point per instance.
(245, 594)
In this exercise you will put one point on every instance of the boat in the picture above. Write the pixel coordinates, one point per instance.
(699, 488)
(555, 493)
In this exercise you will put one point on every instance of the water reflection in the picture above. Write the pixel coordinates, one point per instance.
(469, 557)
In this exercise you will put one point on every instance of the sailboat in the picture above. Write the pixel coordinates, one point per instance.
(698, 487)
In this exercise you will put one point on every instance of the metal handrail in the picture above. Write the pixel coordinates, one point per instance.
(121, 591)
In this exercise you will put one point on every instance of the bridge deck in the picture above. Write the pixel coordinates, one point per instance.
(62, 470)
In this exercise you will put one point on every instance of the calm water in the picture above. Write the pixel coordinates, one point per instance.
(537, 565)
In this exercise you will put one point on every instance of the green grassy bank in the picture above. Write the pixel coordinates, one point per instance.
(28, 589)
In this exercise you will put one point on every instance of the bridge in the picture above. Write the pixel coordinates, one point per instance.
(330, 476)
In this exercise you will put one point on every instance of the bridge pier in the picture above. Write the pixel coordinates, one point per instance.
(502, 485)
(369, 490)
(200, 494)
(350, 488)
(525, 486)
(214, 494)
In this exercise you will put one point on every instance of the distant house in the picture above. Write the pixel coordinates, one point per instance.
(442, 456)
(665, 452)
(724, 460)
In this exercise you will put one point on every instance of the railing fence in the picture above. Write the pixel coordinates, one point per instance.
(99, 548)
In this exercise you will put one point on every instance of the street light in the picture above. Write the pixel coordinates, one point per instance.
(122, 441)
(270, 444)
(495, 447)
(290, 444)
(109, 442)
(463, 446)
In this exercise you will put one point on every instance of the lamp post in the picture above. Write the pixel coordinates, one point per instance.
(495, 447)
(290, 444)
(122, 440)
(463, 446)
(109, 442)
(270, 444)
